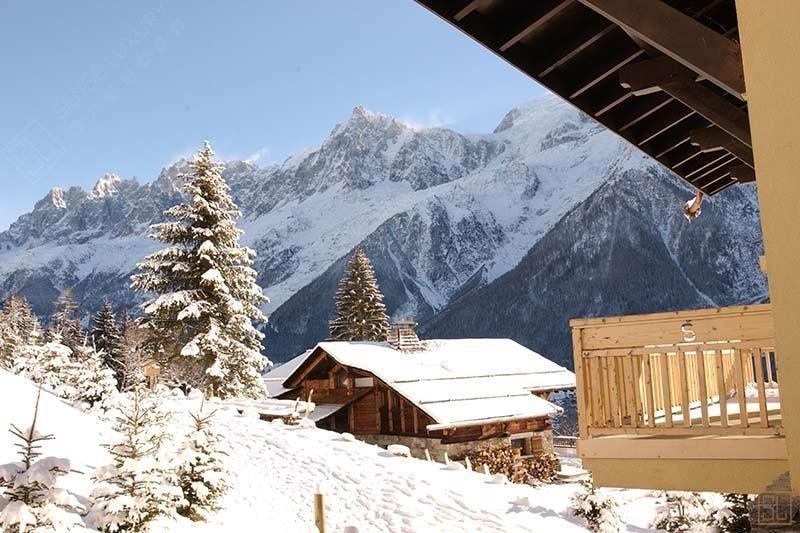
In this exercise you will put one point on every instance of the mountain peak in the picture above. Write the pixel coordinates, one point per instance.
(56, 197)
(106, 186)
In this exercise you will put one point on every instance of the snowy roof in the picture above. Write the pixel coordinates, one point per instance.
(461, 381)
(324, 410)
(275, 376)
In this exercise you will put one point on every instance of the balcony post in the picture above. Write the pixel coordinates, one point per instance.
(770, 47)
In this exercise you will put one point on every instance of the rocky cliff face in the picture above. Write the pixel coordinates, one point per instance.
(549, 209)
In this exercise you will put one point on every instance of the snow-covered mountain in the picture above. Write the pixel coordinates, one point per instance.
(443, 216)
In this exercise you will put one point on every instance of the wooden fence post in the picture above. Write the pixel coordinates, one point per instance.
(319, 510)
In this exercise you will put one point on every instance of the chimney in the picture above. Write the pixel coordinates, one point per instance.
(403, 335)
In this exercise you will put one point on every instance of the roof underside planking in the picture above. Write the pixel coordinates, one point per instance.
(666, 75)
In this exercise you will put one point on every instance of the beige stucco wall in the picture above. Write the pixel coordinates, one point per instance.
(715, 475)
(770, 41)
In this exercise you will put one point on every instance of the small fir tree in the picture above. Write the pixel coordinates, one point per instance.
(202, 470)
(31, 502)
(18, 327)
(132, 348)
(141, 485)
(206, 296)
(682, 511)
(26, 323)
(65, 326)
(106, 337)
(94, 384)
(598, 508)
(360, 312)
(49, 365)
(734, 515)
(80, 376)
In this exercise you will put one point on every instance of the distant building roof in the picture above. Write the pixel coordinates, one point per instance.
(461, 381)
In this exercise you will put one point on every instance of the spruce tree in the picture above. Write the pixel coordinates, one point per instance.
(106, 337)
(361, 314)
(25, 322)
(141, 484)
(9, 338)
(202, 471)
(206, 296)
(18, 327)
(64, 323)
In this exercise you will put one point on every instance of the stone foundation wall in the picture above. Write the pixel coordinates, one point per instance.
(437, 449)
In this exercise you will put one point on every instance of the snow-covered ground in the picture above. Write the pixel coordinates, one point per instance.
(278, 467)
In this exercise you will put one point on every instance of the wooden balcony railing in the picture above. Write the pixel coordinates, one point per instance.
(711, 371)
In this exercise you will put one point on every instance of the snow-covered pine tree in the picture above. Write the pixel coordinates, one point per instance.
(30, 501)
(734, 515)
(141, 484)
(106, 337)
(93, 383)
(682, 511)
(206, 293)
(360, 312)
(25, 321)
(9, 339)
(50, 365)
(132, 347)
(79, 376)
(202, 469)
(18, 327)
(598, 508)
(65, 326)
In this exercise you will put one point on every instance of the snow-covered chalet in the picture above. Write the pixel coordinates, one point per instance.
(441, 395)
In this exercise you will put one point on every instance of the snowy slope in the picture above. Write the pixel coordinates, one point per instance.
(277, 468)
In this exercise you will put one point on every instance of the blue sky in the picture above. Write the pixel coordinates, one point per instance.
(127, 87)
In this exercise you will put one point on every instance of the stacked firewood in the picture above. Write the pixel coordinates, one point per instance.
(507, 461)
(542, 468)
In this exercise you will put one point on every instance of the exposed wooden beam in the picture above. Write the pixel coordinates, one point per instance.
(565, 57)
(681, 155)
(641, 114)
(603, 70)
(713, 107)
(677, 35)
(743, 174)
(647, 77)
(664, 119)
(474, 5)
(669, 141)
(605, 96)
(545, 10)
(661, 73)
(720, 168)
(714, 161)
(712, 139)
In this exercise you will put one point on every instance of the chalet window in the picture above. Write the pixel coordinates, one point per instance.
(341, 379)
(364, 382)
